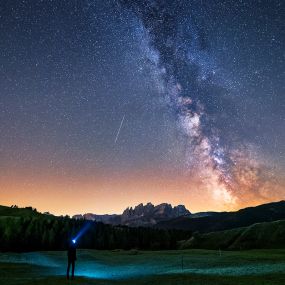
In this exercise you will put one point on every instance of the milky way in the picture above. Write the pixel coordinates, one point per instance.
(200, 94)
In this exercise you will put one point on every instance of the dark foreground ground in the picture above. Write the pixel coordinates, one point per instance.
(139, 267)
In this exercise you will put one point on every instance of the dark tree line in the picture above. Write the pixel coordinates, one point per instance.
(53, 233)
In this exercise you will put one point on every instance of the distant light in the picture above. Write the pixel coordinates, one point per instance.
(74, 240)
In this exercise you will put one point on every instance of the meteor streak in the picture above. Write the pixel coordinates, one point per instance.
(119, 129)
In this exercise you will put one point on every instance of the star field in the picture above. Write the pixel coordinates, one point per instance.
(200, 85)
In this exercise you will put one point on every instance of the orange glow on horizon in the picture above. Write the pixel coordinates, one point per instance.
(63, 195)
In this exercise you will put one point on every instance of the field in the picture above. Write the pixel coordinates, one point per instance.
(141, 267)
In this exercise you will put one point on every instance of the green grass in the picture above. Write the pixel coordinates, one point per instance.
(140, 267)
(260, 235)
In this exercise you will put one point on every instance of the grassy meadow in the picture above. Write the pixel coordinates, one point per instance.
(147, 267)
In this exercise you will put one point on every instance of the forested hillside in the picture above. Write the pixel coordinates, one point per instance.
(27, 230)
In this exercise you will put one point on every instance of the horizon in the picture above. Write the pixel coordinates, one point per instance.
(133, 206)
(107, 104)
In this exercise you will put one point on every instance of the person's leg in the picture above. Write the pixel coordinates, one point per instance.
(73, 267)
(67, 271)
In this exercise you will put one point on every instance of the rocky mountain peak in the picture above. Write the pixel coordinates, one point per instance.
(140, 215)
(152, 213)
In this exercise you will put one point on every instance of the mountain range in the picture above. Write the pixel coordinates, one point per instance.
(164, 216)
(219, 221)
(161, 227)
(140, 215)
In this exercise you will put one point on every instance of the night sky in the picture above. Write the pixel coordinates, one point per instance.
(106, 104)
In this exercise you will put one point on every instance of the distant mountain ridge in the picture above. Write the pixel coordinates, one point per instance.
(140, 215)
(221, 221)
(107, 219)
(150, 215)
(164, 216)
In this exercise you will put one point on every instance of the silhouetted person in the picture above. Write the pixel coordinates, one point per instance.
(71, 255)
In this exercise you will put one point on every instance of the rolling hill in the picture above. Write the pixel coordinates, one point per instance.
(260, 235)
(228, 220)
